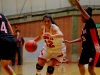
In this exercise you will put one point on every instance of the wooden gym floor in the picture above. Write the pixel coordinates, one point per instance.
(28, 68)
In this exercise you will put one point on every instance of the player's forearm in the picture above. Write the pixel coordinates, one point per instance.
(84, 13)
(10, 28)
(76, 40)
(57, 36)
(78, 5)
(95, 39)
(38, 39)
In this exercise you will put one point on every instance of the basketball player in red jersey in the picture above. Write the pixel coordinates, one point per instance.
(7, 44)
(90, 41)
(53, 45)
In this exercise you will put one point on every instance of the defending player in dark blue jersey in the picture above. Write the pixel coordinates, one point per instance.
(7, 44)
(90, 41)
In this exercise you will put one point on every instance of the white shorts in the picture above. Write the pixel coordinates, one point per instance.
(47, 55)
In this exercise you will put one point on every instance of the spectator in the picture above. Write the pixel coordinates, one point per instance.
(20, 42)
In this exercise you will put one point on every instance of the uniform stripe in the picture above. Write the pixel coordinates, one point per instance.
(96, 45)
(96, 58)
(94, 37)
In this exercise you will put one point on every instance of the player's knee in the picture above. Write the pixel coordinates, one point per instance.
(39, 67)
(50, 69)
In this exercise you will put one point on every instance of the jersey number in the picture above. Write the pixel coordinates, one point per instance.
(3, 27)
(83, 38)
(49, 44)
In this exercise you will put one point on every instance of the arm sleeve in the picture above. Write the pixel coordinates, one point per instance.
(94, 38)
(96, 45)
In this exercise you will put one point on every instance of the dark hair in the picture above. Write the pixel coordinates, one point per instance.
(49, 16)
(17, 31)
(89, 11)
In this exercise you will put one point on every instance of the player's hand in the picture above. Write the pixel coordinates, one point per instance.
(48, 34)
(66, 41)
(74, 1)
(97, 48)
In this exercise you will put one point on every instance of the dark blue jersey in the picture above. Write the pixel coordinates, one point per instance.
(4, 29)
(90, 35)
(7, 40)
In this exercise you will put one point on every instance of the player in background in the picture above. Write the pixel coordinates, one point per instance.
(53, 45)
(7, 44)
(90, 41)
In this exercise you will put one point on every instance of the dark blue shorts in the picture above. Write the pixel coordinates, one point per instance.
(86, 55)
(7, 47)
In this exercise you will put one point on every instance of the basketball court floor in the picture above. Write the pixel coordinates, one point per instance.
(28, 68)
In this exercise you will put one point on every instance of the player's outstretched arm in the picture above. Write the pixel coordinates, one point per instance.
(84, 13)
(73, 41)
(10, 28)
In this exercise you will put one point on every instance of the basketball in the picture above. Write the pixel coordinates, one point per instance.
(31, 46)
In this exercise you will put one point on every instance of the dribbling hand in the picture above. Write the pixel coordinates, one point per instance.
(48, 35)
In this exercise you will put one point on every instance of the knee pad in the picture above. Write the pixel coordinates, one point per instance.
(50, 69)
(39, 67)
